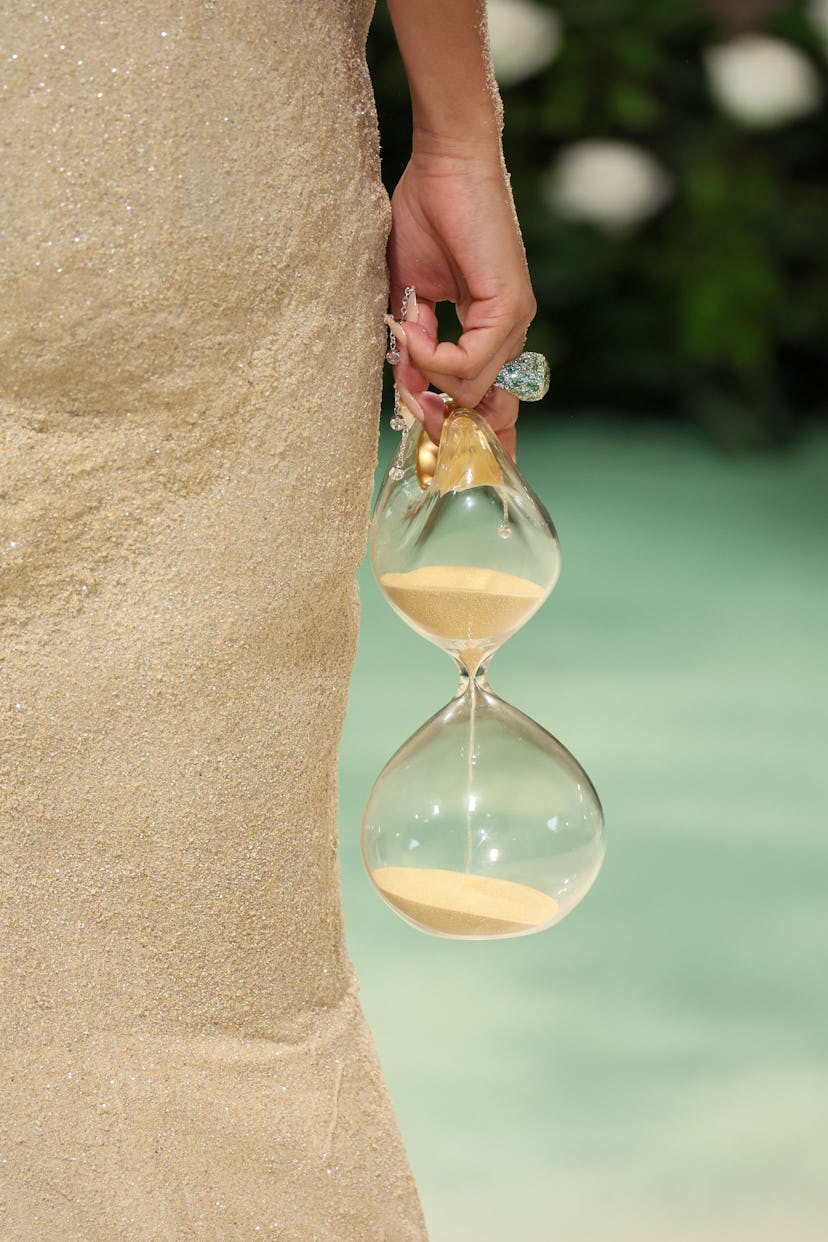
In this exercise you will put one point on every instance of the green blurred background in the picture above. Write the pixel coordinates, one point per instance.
(656, 1067)
(669, 163)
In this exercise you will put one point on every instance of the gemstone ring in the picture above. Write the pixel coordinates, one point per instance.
(526, 377)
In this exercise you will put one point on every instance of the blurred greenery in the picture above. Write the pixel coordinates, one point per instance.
(656, 1066)
(716, 309)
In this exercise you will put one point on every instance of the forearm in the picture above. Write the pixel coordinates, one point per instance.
(454, 233)
(455, 103)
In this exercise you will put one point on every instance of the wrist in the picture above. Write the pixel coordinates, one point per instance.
(475, 145)
(458, 122)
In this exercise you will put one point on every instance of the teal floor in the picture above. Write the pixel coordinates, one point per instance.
(655, 1068)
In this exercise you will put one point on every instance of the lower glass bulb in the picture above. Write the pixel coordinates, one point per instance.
(482, 825)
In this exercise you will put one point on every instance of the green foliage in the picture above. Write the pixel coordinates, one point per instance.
(716, 309)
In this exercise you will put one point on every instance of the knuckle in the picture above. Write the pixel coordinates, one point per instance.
(467, 394)
(528, 309)
(523, 306)
(466, 369)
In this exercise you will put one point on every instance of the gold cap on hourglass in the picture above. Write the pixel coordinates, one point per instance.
(463, 458)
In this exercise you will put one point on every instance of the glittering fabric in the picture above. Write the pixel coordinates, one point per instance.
(191, 290)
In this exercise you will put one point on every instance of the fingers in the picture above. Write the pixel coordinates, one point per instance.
(427, 407)
(500, 410)
(411, 383)
(434, 412)
(508, 439)
(499, 407)
(467, 370)
(406, 374)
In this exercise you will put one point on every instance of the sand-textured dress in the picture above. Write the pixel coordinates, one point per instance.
(191, 289)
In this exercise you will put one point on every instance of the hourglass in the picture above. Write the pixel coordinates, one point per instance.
(482, 825)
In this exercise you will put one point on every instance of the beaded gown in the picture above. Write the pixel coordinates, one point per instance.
(191, 291)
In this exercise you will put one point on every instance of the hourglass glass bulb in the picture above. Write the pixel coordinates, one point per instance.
(482, 825)
(469, 556)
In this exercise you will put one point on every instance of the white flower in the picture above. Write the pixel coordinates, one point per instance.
(524, 38)
(762, 82)
(818, 13)
(612, 184)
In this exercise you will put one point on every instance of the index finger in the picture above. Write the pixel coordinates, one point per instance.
(405, 371)
(468, 369)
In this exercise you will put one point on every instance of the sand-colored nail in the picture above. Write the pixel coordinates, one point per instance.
(411, 403)
(412, 310)
(396, 328)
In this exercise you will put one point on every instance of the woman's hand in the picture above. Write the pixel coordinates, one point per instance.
(455, 237)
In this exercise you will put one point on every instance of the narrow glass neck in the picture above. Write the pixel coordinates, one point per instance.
(479, 678)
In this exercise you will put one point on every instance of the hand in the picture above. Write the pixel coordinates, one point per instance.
(455, 237)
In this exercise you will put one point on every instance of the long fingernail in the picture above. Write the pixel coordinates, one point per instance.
(412, 310)
(397, 329)
(411, 403)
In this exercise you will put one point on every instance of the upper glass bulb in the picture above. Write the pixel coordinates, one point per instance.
(468, 556)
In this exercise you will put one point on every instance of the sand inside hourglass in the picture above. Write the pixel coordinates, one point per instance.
(473, 609)
(463, 602)
(459, 904)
